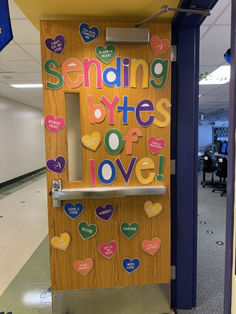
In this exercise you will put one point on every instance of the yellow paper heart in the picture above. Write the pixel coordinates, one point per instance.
(62, 242)
(151, 209)
(92, 141)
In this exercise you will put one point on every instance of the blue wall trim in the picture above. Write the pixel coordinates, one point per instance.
(184, 142)
(231, 170)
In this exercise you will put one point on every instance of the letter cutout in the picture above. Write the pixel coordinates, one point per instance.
(125, 108)
(130, 139)
(144, 164)
(134, 66)
(164, 112)
(160, 176)
(126, 175)
(55, 74)
(87, 65)
(96, 112)
(144, 105)
(92, 171)
(72, 65)
(159, 70)
(113, 141)
(106, 172)
(126, 72)
(110, 107)
(111, 76)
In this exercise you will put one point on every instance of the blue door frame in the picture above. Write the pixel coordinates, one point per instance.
(184, 142)
(231, 169)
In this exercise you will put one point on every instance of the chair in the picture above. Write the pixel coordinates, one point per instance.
(221, 172)
(208, 167)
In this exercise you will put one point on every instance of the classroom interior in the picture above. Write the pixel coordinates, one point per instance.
(25, 286)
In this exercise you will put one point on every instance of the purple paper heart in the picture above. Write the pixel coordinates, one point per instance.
(56, 45)
(105, 213)
(57, 165)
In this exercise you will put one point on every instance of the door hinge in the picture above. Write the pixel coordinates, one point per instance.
(173, 53)
(172, 166)
(173, 272)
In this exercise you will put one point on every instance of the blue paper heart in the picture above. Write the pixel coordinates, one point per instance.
(130, 265)
(88, 34)
(73, 210)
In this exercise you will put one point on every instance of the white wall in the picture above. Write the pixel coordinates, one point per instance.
(21, 139)
(204, 136)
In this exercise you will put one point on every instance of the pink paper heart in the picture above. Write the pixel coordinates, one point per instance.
(54, 124)
(158, 45)
(156, 145)
(108, 249)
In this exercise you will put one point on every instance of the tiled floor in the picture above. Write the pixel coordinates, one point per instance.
(25, 253)
(23, 225)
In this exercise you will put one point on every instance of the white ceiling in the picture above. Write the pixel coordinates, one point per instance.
(20, 60)
(215, 40)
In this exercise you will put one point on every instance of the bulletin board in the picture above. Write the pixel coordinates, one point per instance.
(124, 96)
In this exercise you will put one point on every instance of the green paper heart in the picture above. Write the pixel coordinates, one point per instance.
(87, 231)
(129, 230)
(105, 54)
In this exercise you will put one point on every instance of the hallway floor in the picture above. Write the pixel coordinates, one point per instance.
(24, 260)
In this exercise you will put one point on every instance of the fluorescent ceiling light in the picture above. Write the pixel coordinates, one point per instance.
(219, 76)
(27, 85)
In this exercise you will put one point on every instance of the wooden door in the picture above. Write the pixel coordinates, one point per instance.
(120, 137)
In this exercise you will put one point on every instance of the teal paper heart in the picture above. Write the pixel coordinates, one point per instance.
(105, 54)
(129, 230)
(87, 231)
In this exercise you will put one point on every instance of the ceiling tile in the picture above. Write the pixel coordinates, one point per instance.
(23, 66)
(203, 30)
(225, 17)
(24, 32)
(34, 77)
(33, 50)
(15, 12)
(217, 91)
(13, 53)
(214, 45)
(216, 13)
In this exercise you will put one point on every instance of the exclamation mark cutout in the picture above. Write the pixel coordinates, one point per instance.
(160, 176)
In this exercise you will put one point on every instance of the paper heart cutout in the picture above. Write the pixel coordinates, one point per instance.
(62, 242)
(56, 45)
(105, 213)
(130, 265)
(129, 230)
(57, 165)
(159, 46)
(156, 145)
(151, 247)
(87, 33)
(152, 209)
(54, 124)
(108, 249)
(73, 210)
(92, 141)
(87, 231)
(83, 267)
(106, 54)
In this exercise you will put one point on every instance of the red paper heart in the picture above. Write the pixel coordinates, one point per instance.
(159, 46)
(54, 124)
(156, 145)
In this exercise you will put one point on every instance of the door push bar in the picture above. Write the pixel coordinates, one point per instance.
(58, 194)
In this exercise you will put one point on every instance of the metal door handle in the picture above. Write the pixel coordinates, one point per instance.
(59, 194)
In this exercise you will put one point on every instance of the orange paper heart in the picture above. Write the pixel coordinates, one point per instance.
(83, 267)
(62, 242)
(159, 46)
(151, 247)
